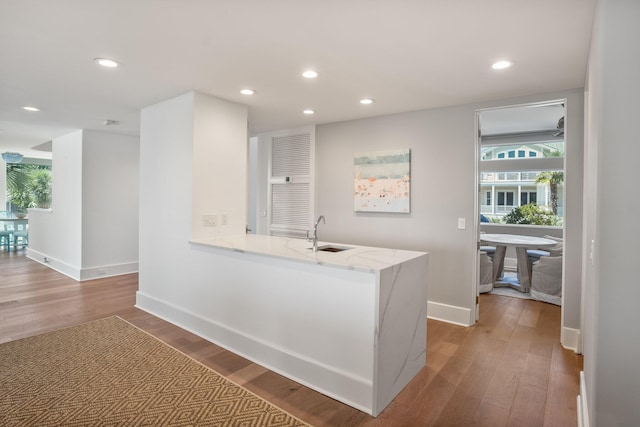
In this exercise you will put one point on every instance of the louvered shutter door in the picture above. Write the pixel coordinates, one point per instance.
(291, 185)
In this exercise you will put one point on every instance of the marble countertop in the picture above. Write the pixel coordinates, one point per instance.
(362, 258)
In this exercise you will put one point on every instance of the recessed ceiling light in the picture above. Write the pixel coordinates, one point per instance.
(501, 65)
(105, 62)
(308, 111)
(247, 91)
(28, 108)
(310, 74)
(366, 101)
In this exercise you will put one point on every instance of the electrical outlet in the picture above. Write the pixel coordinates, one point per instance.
(101, 271)
(210, 220)
(225, 219)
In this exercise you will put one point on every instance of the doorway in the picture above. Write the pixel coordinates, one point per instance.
(520, 167)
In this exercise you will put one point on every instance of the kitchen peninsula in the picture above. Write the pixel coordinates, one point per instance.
(349, 322)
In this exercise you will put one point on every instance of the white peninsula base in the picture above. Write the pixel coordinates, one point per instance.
(351, 324)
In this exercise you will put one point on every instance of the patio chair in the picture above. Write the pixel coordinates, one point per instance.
(546, 280)
(486, 273)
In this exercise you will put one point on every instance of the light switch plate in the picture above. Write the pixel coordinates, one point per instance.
(462, 223)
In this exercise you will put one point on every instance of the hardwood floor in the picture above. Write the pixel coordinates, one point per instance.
(508, 370)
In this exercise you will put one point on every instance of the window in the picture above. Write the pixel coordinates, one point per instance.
(28, 184)
(505, 198)
(523, 169)
(527, 197)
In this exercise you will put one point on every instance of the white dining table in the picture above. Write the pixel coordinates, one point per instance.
(521, 244)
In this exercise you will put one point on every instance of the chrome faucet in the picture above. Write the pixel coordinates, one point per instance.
(314, 238)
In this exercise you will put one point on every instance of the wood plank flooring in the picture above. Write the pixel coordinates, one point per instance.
(508, 370)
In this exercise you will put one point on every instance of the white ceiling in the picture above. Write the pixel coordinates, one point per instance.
(406, 54)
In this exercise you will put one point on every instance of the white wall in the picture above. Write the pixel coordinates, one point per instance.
(166, 141)
(442, 179)
(92, 226)
(611, 345)
(110, 169)
(252, 196)
(57, 235)
(219, 166)
(172, 133)
(442, 148)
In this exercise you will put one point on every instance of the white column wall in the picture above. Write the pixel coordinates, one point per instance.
(172, 133)
(220, 156)
(611, 291)
(57, 234)
(166, 149)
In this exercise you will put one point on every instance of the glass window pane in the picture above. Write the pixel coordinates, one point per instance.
(534, 149)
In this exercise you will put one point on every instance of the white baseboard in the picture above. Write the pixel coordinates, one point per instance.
(82, 274)
(54, 264)
(305, 370)
(108, 271)
(583, 409)
(450, 313)
(571, 339)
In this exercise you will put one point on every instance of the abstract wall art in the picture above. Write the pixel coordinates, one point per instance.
(382, 181)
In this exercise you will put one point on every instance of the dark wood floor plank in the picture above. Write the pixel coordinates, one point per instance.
(508, 369)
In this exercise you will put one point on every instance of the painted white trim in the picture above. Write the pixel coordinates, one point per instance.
(268, 138)
(583, 409)
(272, 357)
(571, 338)
(54, 264)
(108, 271)
(450, 313)
(82, 274)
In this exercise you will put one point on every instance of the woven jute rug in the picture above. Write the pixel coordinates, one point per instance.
(110, 373)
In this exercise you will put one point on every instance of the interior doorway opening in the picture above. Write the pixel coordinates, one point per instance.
(520, 181)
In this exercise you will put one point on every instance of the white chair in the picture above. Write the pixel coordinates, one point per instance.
(546, 280)
(486, 273)
(535, 254)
